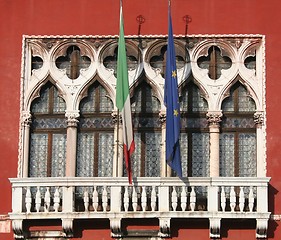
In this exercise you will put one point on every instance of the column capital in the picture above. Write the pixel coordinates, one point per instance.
(162, 116)
(26, 118)
(72, 118)
(259, 118)
(214, 117)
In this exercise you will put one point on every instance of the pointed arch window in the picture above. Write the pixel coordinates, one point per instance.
(147, 132)
(95, 134)
(48, 134)
(238, 135)
(194, 132)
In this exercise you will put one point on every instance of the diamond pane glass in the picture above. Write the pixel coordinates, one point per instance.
(200, 155)
(227, 155)
(199, 104)
(247, 155)
(58, 155)
(152, 154)
(245, 103)
(38, 155)
(59, 103)
(96, 101)
(184, 153)
(136, 157)
(85, 155)
(105, 154)
(41, 105)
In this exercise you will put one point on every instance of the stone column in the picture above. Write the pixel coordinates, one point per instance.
(214, 118)
(26, 120)
(261, 165)
(71, 143)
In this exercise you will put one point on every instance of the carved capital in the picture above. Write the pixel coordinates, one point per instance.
(114, 117)
(164, 224)
(26, 118)
(72, 118)
(115, 226)
(214, 118)
(67, 226)
(259, 118)
(162, 116)
(215, 225)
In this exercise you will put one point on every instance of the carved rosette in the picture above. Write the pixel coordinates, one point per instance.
(72, 119)
(214, 118)
(259, 118)
(26, 119)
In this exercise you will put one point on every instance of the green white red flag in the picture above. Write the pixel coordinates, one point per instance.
(123, 99)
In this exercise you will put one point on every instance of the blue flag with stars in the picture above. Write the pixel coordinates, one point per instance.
(171, 99)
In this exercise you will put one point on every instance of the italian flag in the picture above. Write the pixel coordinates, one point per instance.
(123, 99)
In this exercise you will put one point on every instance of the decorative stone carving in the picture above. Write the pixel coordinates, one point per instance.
(162, 117)
(259, 118)
(214, 118)
(18, 228)
(26, 118)
(67, 226)
(215, 225)
(115, 226)
(261, 228)
(164, 224)
(72, 120)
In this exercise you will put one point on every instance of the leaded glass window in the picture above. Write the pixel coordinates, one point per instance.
(47, 151)
(194, 132)
(147, 132)
(95, 134)
(238, 137)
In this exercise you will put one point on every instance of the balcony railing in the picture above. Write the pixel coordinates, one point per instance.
(69, 199)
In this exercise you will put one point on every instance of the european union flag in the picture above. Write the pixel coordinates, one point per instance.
(171, 99)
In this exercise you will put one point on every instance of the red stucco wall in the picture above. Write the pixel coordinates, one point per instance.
(93, 17)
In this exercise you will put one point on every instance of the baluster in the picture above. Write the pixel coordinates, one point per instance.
(47, 199)
(38, 200)
(28, 200)
(126, 199)
(183, 199)
(232, 199)
(192, 199)
(241, 199)
(153, 199)
(57, 200)
(223, 199)
(174, 199)
(95, 199)
(143, 199)
(251, 199)
(104, 199)
(86, 200)
(135, 199)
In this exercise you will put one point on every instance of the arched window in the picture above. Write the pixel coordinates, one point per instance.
(48, 134)
(147, 132)
(194, 132)
(238, 135)
(95, 134)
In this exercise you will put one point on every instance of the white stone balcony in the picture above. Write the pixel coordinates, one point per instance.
(70, 199)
